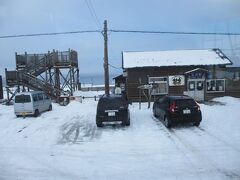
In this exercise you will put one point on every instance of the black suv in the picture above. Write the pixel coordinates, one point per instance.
(177, 109)
(112, 108)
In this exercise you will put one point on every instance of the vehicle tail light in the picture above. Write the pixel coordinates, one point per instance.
(172, 107)
(197, 106)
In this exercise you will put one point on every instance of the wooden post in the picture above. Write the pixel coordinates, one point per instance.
(106, 71)
(140, 94)
(1, 88)
(57, 82)
(78, 82)
(71, 80)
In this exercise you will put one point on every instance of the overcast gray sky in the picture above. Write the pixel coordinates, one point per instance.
(40, 16)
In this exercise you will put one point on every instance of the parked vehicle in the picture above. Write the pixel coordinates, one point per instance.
(177, 109)
(112, 108)
(31, 103)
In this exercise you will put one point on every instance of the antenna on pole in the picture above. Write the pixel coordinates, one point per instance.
(106, 70)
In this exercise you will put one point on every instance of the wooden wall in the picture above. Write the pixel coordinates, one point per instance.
(134, 74)
(232, 89)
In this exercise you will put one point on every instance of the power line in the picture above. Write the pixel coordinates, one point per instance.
(93, 13)
(49, 34)
(115, 67)
(174, 32)
(120, 31)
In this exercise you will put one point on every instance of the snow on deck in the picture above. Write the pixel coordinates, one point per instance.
(66, 144)
(174, 58)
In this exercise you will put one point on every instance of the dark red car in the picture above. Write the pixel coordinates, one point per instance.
(177, 109)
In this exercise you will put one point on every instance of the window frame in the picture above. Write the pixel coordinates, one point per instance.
(159, 80)
(35, 97)
(40, 97)
(215, 82)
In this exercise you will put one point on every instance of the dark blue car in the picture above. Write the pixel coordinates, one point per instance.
(112, 108)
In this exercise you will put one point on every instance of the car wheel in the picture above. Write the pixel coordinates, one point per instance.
(36, 113)
(154, 113)
(18, 116)
(50, 108)
(128, 122)
(196, 124)
(99, 123)
(167, 122)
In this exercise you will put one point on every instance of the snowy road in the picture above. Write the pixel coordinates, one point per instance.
(66, 144)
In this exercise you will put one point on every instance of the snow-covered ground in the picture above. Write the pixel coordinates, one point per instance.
(66, 144)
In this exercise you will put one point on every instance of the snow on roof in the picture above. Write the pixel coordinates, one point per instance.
(197, 69)
(174, 58)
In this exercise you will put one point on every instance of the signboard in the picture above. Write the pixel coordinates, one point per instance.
(125, 74)
(177, 80)
(197, 75)
(145, 86)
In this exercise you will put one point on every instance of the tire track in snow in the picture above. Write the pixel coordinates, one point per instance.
(78, 130)
(181, 144)
(201, 156)
(203, 131)
(178, 145)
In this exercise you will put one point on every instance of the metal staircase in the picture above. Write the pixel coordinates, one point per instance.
(36, 84)
(40, 66)
(41, 72)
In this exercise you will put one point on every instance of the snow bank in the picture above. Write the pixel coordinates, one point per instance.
(228, 100)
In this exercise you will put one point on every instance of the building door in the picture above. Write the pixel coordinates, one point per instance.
(196, 89)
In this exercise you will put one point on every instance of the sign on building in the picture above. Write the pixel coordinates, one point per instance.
(177, 80)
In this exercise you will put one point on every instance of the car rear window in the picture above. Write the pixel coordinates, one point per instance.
(22, 98)
(115, 102)
(185, 102)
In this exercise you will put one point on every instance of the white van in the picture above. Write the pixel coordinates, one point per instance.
(31, 103)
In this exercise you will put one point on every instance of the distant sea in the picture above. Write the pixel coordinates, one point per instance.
(95, 79)
(86, 79)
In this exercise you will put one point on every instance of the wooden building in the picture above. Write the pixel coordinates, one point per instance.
(201, 74)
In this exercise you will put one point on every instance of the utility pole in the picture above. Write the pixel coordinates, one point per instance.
(106, 71)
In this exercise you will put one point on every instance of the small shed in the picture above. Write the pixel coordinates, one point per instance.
(201, 74)
(120, 81)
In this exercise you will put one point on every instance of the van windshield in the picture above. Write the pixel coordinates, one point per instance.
(22, 98)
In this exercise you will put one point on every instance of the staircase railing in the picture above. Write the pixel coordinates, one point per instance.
(40, 65)
(30, 80)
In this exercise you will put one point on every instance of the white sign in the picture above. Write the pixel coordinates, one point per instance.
(177, 80)
(125, 74)
(118, 90)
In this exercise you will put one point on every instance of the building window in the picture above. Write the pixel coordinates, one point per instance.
(191, 86)
(216, 85)
(160, 85)
(199, 85)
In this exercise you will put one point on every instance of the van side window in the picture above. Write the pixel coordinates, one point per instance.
(45, 96)
(35, 98)
(40, 97)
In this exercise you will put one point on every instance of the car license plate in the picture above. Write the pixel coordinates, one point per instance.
(186, 111)
(23, 113)
(111, 113)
